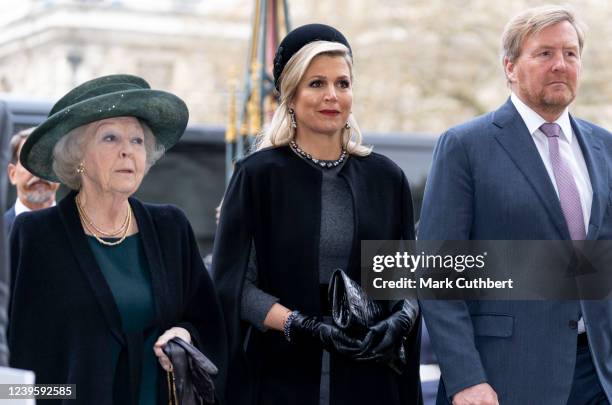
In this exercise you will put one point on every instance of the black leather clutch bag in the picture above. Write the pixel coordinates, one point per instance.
(189, 382)
(354, 312)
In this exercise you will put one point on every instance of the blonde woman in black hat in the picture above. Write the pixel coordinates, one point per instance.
(294, 211)
(102, 281)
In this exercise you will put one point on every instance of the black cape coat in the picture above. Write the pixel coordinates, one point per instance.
(274, 199)
(63, 315)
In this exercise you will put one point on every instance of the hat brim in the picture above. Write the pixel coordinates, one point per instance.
(164, 113)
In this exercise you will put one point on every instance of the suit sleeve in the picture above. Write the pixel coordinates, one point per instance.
(447, 215)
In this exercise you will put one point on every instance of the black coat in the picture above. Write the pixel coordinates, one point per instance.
(274, 199)
(63, 315)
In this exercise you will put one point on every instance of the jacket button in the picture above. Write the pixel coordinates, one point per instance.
(573, 324)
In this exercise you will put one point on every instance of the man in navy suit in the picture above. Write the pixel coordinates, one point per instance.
(527, 171)
(33, 193)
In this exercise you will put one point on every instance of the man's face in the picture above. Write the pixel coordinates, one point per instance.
(33, 191)
(545, 76)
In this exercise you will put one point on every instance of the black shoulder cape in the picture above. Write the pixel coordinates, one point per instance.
(274, 199)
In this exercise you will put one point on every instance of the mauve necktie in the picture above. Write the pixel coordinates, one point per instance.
(566, 185)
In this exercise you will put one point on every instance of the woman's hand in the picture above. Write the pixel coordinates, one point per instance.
(383, 340)
(310, 330)
(163, 339)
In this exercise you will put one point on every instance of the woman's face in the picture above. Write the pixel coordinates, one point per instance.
(114, 156)
(324, 97)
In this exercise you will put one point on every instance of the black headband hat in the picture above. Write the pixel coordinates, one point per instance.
(105, 97)
(296, 39)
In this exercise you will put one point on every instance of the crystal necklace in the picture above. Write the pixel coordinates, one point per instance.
(327, 164)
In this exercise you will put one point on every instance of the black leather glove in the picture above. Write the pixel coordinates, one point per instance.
(309, 329)
(383, 340)
(192, 374)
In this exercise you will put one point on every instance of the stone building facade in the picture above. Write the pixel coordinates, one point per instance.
(420, 65)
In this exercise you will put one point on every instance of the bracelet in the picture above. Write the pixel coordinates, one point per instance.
(287, 325)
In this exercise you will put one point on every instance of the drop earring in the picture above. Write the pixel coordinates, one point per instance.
(292, 115)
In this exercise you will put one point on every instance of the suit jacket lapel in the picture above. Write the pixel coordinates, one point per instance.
(598, 174)
(516, 140)
(89, 266)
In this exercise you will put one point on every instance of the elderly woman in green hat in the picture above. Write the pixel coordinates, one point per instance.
(102, 281)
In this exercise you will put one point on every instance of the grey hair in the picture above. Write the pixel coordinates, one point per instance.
(68, 153)
(279, 132)
(531, 22)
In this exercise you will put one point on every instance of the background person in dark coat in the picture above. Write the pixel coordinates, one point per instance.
(102, 281)
(294, 211)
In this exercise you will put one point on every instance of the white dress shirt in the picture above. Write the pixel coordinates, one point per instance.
(20, 207)
(570, 151)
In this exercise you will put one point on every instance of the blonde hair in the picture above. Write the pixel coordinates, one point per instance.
(531, 22)
(280, 132)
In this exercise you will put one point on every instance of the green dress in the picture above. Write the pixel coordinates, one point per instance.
(127, 273)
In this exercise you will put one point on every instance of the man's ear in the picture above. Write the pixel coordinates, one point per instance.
(509, 70)
(10, 170)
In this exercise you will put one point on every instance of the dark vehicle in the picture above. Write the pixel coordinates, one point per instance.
(192, 174)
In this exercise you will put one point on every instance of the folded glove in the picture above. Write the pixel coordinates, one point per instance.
(384, 339)
(191, 382)
(309, 329)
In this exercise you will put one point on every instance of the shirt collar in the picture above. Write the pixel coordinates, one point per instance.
(533, 120)
(20, 207)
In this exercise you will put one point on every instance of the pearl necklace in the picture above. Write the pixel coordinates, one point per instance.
(92, 228)
(327, 164)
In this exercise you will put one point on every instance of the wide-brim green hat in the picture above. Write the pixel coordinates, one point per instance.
(105, 97)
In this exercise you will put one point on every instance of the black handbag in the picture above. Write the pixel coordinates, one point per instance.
(190, 381)
(354, 312)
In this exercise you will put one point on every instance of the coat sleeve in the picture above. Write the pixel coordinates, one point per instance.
(202, 315)
(230, 260)
(447, 215)
(407, 211)
(407, 216)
